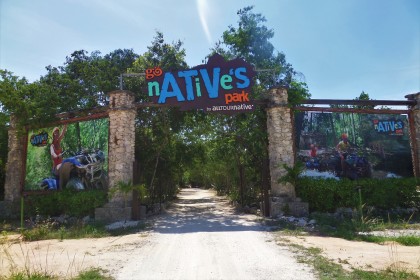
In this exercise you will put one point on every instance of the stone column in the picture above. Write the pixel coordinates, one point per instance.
(14, 170)
(414, 120)
(281, 151)
(122, 115)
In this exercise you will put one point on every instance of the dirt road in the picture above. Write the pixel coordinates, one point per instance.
(201, 238)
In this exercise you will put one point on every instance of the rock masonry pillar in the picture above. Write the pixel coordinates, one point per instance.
(14, 171)
(280, 128)
(414, 120)
(122, 115)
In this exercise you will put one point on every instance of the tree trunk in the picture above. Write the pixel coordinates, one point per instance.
(79, 138)
(241, 183)
(152, 188)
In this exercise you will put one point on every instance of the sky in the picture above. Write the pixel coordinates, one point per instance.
(341, 48)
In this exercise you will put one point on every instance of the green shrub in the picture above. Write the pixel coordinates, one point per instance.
(326, 195)
(40, 230)
(31, 276)
(93, 274)
(69, 202)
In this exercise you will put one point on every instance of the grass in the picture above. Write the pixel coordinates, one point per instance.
(349, 228)
(328, 270)
(45, 231)
(93, 274)
(90, 274)
(403, 240)
(35, 268)
(33, 276)
(48, 229)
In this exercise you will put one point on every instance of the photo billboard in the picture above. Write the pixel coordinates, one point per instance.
(73, 155)
(354, 145)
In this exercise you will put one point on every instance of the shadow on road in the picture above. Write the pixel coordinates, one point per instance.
(199, 210)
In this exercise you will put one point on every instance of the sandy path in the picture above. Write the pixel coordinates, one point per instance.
(363, 255)
(201, 238)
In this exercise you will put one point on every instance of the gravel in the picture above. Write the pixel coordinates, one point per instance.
(393, 233)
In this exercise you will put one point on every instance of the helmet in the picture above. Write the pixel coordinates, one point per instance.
(344, 136)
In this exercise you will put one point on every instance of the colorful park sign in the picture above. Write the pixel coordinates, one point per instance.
(390, 127)
(219, 86)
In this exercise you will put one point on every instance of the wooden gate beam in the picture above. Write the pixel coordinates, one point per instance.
(361, 102)
(351, 110)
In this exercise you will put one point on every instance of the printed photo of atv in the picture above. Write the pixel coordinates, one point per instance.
(82, 171)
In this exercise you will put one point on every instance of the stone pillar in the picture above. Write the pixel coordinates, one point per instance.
(414, 120)
(14, 170)
(281, 151)
(122, 115)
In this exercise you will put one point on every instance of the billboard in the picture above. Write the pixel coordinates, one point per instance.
(354, 145)
(73, 155)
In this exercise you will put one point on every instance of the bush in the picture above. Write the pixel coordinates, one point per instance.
(70, 202)
(326, 195)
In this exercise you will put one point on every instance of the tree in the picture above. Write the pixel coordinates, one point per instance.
(85, 79)
(297, 92)
(25, 100)
(159, 147)
(251, 41)
(245, 135)
(32, 102)
(363, 96)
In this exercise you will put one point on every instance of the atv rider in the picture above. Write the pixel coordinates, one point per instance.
(343, 148)
(61, 167)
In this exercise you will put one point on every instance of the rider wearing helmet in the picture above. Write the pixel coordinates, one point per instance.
(343, 150)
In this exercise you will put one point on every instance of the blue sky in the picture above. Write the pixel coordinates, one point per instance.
(342, 47)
